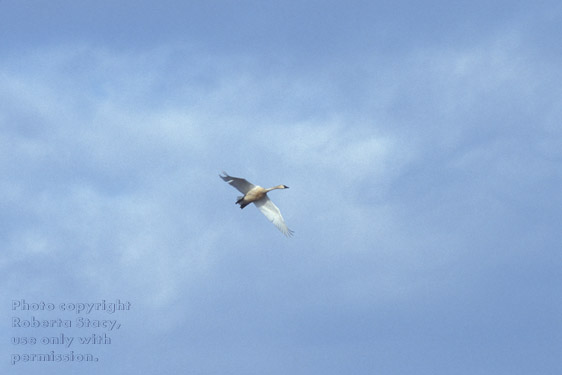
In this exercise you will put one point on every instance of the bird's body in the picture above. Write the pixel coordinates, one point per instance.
(255, 194)
(258, 195)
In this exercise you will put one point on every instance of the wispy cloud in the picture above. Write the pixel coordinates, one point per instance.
(406, 181)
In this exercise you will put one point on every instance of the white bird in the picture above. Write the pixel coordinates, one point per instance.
(257, 195)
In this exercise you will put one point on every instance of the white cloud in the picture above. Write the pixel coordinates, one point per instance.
(117, 175)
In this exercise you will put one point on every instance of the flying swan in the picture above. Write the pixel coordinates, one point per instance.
(257, 195)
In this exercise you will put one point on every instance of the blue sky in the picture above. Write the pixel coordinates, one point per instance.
(422, 143)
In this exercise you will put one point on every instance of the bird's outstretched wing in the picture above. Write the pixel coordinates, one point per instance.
(240, 184)
(270, 210)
